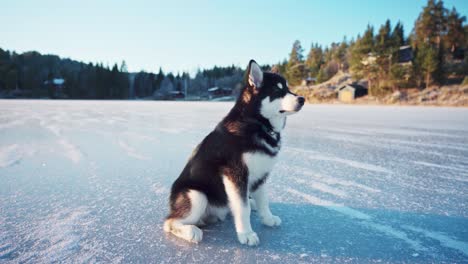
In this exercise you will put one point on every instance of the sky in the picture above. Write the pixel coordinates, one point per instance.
(186, 35)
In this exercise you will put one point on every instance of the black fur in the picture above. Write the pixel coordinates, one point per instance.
(220, 153)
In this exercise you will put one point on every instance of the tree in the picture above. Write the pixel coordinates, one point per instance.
(159, 78)
(11, 80)
(362, 58)
(428, 34)
(123, 66)
(314, 59)
(166, 86)
(295, 68)
(322, 75)
(427, 60)
(456, 36)
(399, 76)
(398, 35)
(431, 24)
(341, 54)
(382, 41)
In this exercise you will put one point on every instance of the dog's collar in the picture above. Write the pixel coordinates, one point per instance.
(266, 129)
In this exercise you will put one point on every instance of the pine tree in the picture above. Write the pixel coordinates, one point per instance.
(362, 58)
(456, 36)
(159, 78)
(314, 59)
(341, 54)
(295, 68)
(322, 75)
(429, 32)
(398, 35)
(123, 66)
(431, 24)
(428, 62)
(382, 42)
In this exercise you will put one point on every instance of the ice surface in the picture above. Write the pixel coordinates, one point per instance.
(88, 182)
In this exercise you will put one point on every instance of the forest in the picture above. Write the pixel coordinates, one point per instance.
(432, 53)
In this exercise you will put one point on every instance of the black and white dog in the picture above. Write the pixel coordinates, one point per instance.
(233, 162)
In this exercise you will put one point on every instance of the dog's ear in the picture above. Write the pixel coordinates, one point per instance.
(255, 74)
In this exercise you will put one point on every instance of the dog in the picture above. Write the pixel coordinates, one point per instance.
(232, 164)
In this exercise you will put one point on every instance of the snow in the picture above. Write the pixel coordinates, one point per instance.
(88, 181)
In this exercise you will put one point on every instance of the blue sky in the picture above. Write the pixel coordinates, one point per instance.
(185, 35)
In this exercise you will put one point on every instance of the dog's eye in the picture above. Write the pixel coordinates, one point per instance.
(279, 85)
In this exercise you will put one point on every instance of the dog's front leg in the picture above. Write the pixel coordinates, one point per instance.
(263, 207)
(240, 208)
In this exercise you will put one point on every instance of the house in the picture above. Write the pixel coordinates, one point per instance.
(55, 87)
(349, 92)
(458, 54)
(174, 95)
(369, 60)
(218, 92)
(308, 81)
(405, 55)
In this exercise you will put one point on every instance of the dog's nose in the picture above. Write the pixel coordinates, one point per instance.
(301, 100)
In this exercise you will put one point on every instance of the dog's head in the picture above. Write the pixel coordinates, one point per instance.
(271, 92)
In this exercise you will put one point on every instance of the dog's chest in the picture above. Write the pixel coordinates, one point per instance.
(258, 164)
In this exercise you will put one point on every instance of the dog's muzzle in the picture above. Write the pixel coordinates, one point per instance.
(300, 103)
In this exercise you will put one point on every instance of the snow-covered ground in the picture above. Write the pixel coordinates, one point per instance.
(89, 181)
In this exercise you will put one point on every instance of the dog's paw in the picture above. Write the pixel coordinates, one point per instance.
(190, 233)
(272, 220)
(249, 238)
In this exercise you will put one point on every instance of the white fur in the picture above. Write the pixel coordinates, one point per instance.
(186, 228)
(289, 103)
(216, 213)
(241, 212)
(271, 111)
(263, 207)
(258, 164)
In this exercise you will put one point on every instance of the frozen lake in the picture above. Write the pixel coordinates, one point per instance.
(88, 182)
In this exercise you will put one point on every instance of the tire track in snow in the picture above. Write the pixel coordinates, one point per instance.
(433, 165)
(441, 238)
(322, 187)
(10, 155)
(355, 164)
(335, 181)
(329, 180)
(131, 151)
(452, 177)
(71, 151)
(13, 154)
(365, 142)
(364, 219)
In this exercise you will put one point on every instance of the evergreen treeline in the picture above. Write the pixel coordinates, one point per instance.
(437, 45)
(33, 73)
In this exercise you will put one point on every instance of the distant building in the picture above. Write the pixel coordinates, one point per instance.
(55, 87)
(349, 92)
(215, 92)
(370, 59)
(309, 81)
(176, 95)
(405, 55)
(458, 54)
